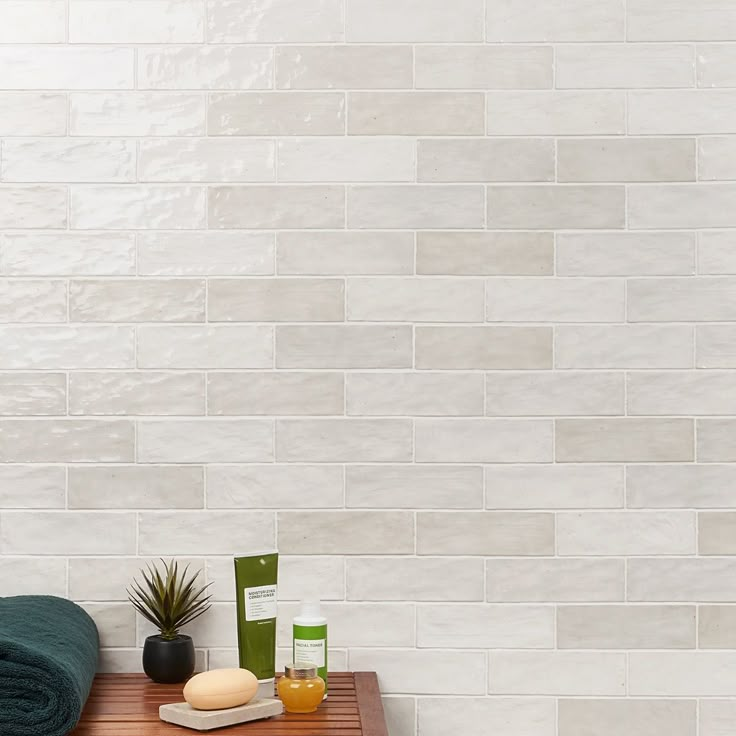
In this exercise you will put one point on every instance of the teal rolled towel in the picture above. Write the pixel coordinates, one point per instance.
(48, 658)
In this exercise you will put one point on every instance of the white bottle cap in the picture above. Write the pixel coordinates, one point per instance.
(310, 608)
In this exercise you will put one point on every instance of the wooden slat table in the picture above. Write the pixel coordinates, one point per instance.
(127, 705)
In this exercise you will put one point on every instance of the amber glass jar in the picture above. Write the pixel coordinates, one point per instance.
(301, 690)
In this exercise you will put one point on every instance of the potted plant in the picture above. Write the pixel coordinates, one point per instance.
(169, 600)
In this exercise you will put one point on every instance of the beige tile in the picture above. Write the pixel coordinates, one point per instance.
(369, 624)
(715, 346)
(683, 206)
(415, 206)
(343, 440)
(205, 253)
(136, 113)
(33, 301)
(344, 346)
(414, 300)
(623, 717)
(716, 162)
(414, 486)
(684, 579)
(276, 300)
(487, 159)
(115, 623)
(68, 254)
(400, 713)
(299, 577)
(620, 533)
(204, 67)
(626, 627)
(504, 534)
(82, 160)
(275, 393)
(136, 393)
(206, 440)
(555, 300)
(229, 21)
(211, 346)
(64, 533)
(282, 113)
(624, 440)
(715, 255)
(346, 532)
(665, 20)
(128, 661)
(346, 159)
(274, 486)
(485, 254)
(32, 207)
(438, 716)
(717, 627)
(681, 392)
(162, 300)
(32, 487)
(344, 67)
(66, 440)
(416, 113)
(624, 66)
(554, 487)
(424, 672)
(680, 486)
(483, 67)
(678, 112)
(67, 346)
(414, 579)
(483, 347)
(716, 65)
(623, 346)
(414, 394)
(32, 113)
(204, 532)
(483, 440)
(715, 717)
(138, 207)
(626, 159)
(481, 626)
(625, 254)
(716, 533)
(681, 299)
(557, 673)
(558, 20)
(38, 22)
(135, 486)
(554, 394)
(682, 674)
(555, 580)
(136, 21)
(206, 159)
(33, 576)
(280, 207)
(556, 112)
(345, 252)
(414, 20)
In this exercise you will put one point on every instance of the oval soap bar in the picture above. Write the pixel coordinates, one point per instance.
(218, 689)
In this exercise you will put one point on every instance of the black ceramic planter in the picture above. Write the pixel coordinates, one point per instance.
(168, 661)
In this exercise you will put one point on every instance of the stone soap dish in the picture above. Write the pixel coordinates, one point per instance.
(182, 714)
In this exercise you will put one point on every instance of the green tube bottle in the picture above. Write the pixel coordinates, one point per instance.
(256, 579)
(310, 638)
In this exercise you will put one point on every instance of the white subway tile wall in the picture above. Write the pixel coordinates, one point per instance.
(438, 297)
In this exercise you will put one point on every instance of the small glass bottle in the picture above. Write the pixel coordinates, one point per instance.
(301, 690)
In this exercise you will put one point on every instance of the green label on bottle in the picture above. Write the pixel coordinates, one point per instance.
(310, 647)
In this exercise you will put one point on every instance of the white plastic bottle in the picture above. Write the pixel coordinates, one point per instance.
(310, 637)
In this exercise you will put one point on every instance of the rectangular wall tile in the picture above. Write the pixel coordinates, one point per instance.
(715, 533)
(714, 255)
(715, 65)
(33, 576)
(38, 22)
(32, 486)
(717, 627)
(715, 346)
(619, 717)
(681, 299)
(676, 112)
(670, 20)
(34, 207)
(715, 717)
(483, 440)
(682, 673)
(624, 440)
(686, 392)
(33, 301)
(679, 579)
(679, 486)
(33, 113)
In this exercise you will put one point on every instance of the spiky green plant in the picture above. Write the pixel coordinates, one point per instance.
(169, 600)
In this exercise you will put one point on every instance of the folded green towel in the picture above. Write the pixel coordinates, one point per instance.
(48, 658)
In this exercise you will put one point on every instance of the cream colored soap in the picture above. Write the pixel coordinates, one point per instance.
(219, 689)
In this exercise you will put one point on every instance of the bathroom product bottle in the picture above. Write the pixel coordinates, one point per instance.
(310, 638)
(301, 690)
